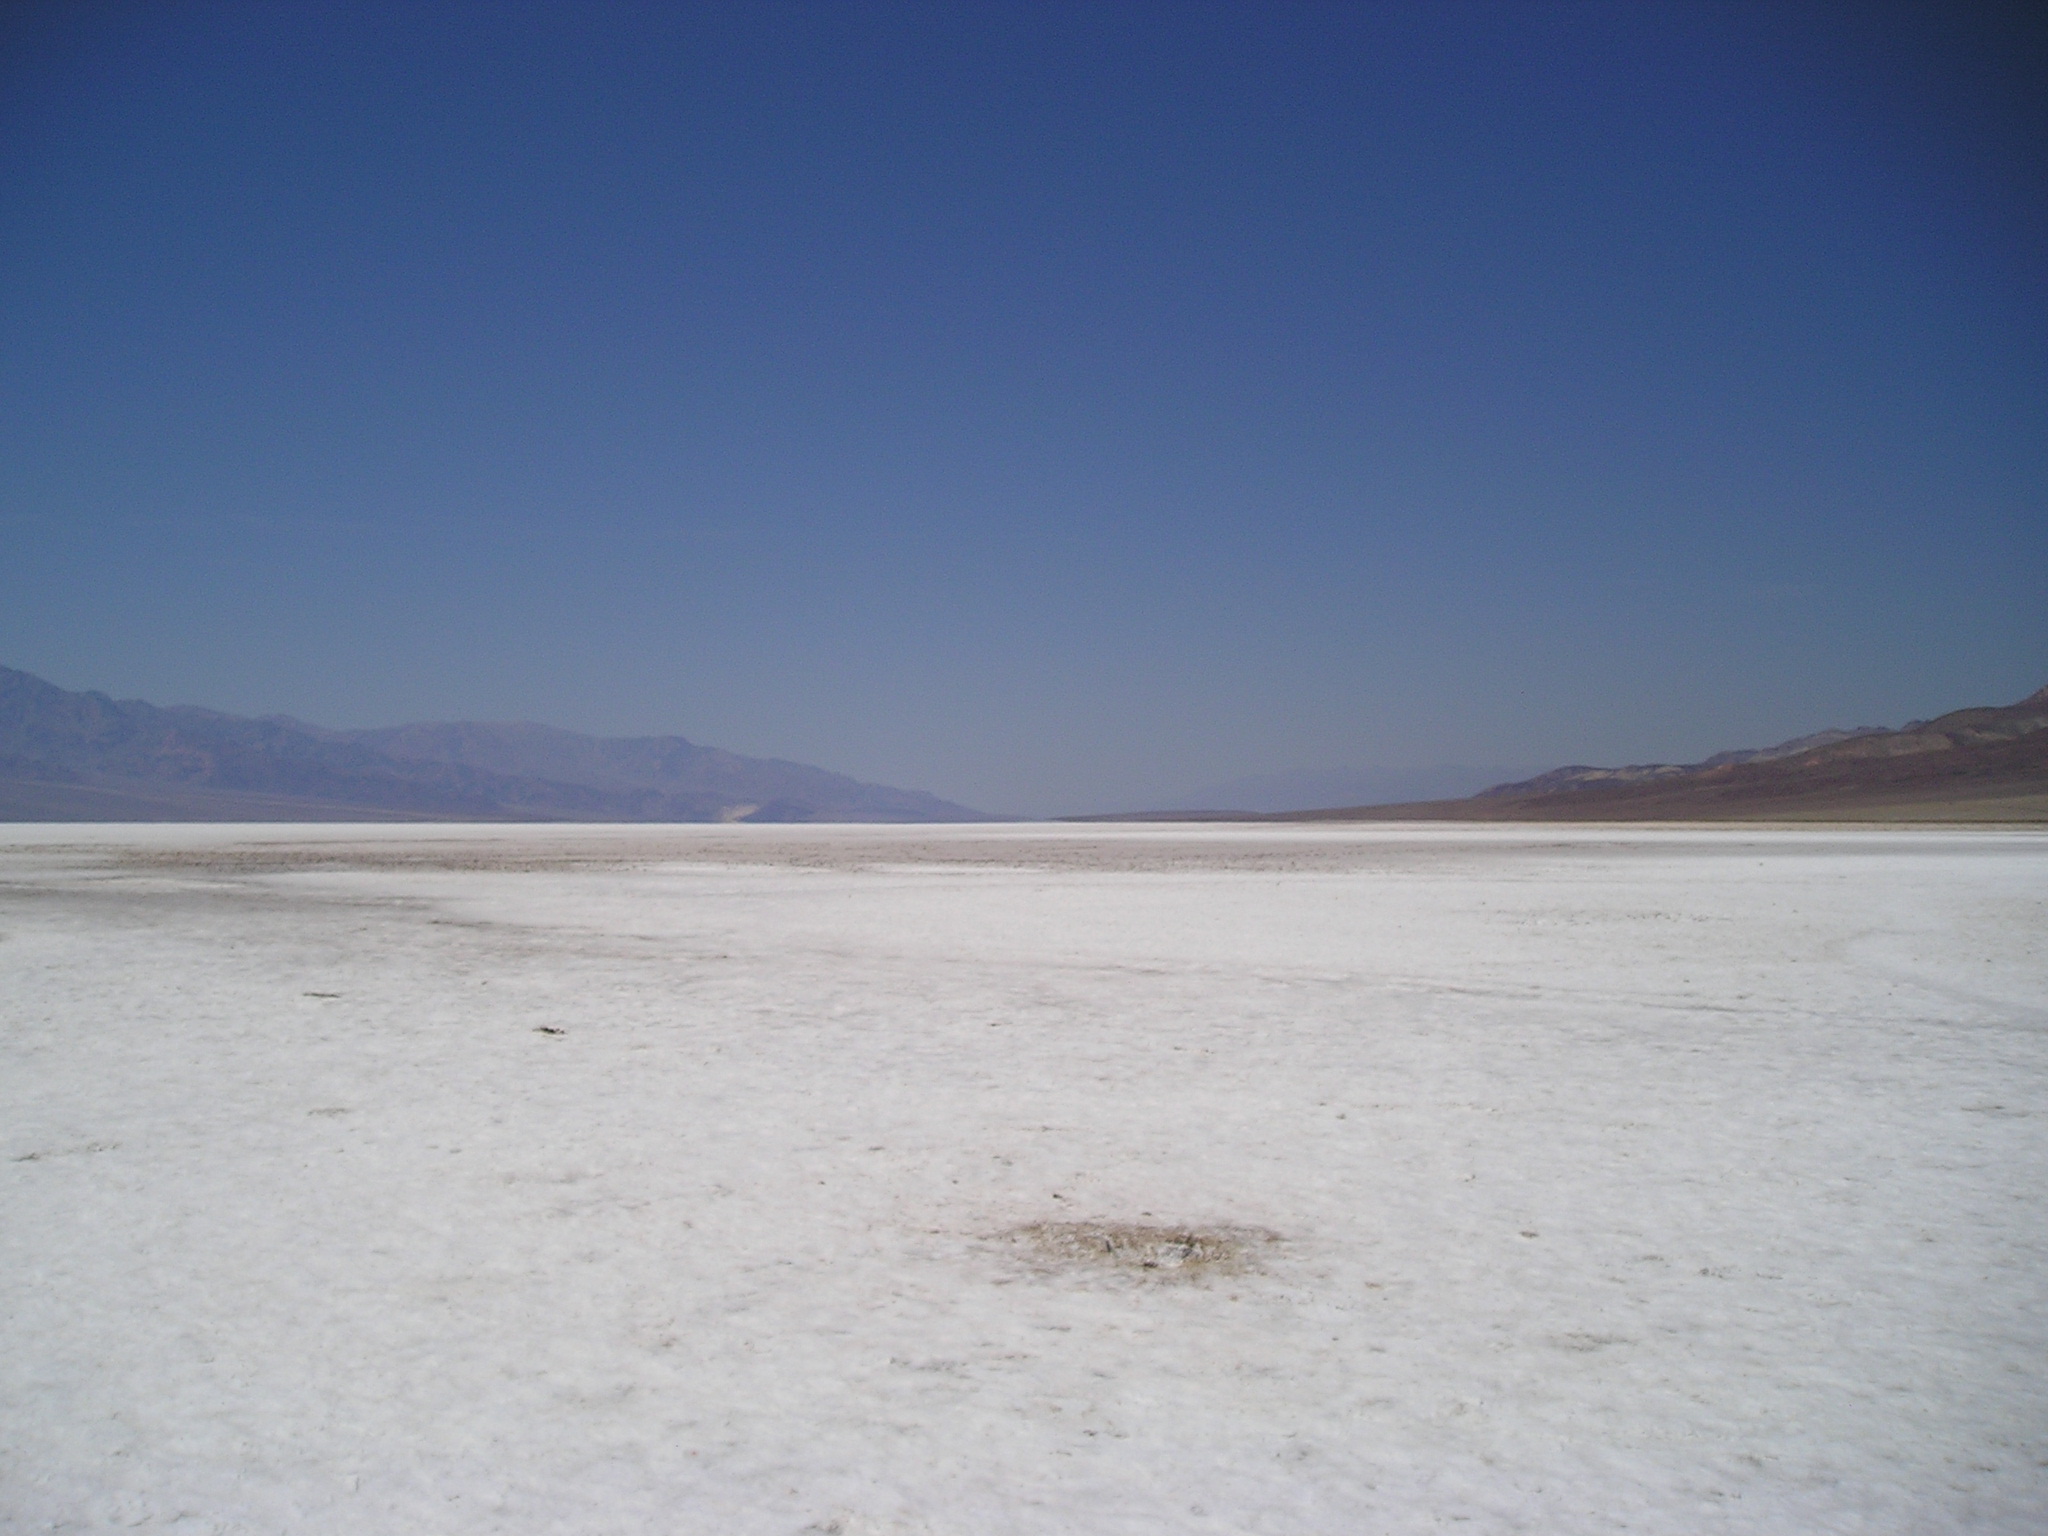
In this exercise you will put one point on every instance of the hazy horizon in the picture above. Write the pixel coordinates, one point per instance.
(1298, 788)
(1056, 408)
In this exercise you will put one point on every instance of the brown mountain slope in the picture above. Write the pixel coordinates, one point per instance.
(1987, 764)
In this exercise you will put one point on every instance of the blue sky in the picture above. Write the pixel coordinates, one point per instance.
(1055, 407)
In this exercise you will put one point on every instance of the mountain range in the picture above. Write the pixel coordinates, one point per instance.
(86, 757)
(68, 756)
(1301, 789)
(1978, 764)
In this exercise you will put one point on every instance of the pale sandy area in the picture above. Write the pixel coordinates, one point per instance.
(751, 1179)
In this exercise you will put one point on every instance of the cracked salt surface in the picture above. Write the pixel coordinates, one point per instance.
(777, 1180)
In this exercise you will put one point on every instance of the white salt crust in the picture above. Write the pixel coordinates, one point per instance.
(756, 1180)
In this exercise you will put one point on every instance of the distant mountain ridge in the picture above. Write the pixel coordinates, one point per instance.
(1825, 758)
(1302, 789)
(1800, 744)
(68, 756)
(1983, 763)
(1579, 776)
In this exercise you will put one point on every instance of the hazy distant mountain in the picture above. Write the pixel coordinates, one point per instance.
(83, 756)
(1800, 744)
(666, 773)
(1578, 776)
(1304, 789)
(1986, 763)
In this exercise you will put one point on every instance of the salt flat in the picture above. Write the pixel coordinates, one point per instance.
(571, 1179)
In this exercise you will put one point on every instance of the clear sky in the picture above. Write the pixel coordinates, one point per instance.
(1051, 406)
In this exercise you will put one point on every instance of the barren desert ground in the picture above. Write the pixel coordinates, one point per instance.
(987, 1180)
